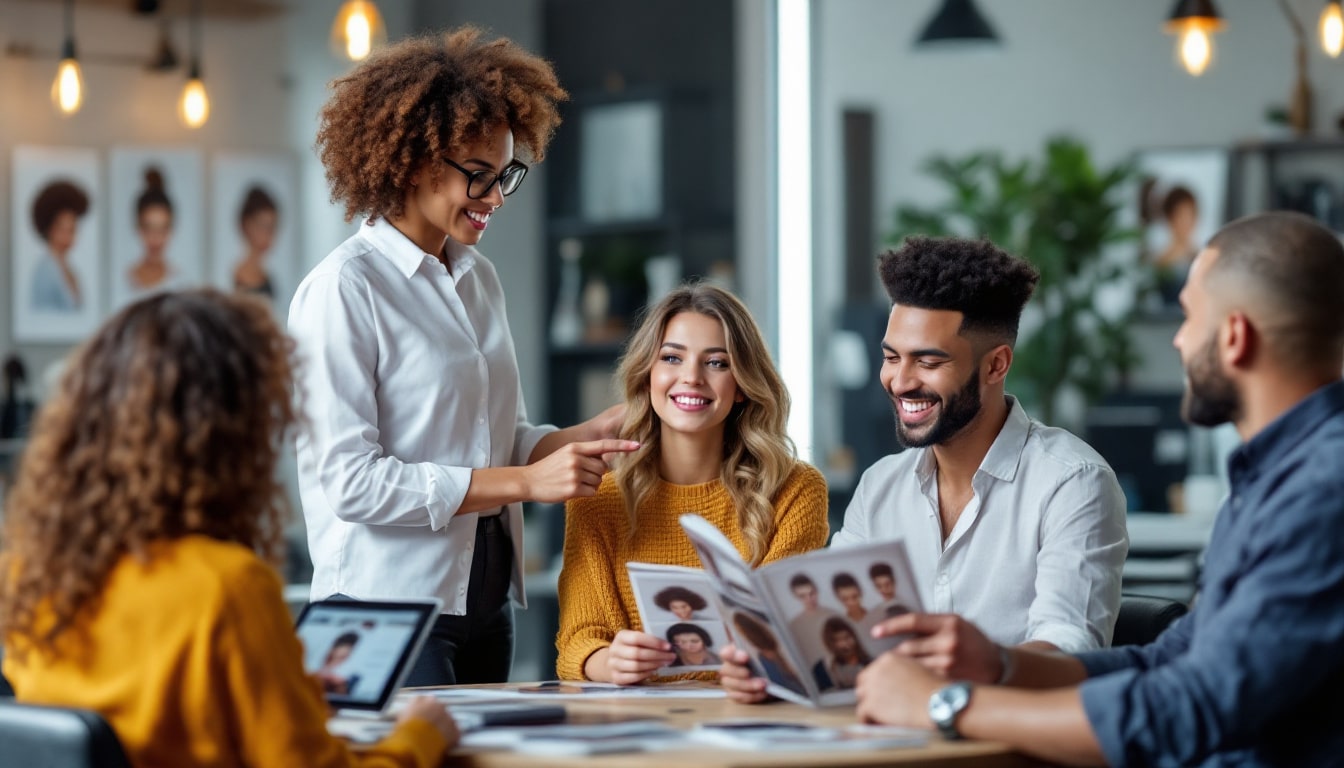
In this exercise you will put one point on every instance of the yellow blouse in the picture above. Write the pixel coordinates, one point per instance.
(596, 600)
(192, 659)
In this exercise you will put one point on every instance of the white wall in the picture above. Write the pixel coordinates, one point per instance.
(1101, 71)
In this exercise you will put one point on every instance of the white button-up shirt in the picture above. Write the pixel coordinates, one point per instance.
(408, 382)
(1037, 552)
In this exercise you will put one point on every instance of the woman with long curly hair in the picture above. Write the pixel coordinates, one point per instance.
(417, 451)
(707, 408)
(137, 572)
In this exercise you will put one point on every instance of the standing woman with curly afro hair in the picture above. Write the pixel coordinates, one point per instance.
(417, 451)
(137, 572)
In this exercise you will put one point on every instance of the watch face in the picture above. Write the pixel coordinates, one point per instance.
(947, 702)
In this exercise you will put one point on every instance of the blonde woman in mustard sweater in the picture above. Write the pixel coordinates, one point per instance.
(133, 580)
(708, 409)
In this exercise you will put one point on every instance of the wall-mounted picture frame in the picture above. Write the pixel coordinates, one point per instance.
(255, 242)
(621, 160)
(1182, 201)
(156, 221)
(56, 244)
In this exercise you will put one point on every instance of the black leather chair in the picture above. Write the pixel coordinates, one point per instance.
(1143, 617)
(34, 736)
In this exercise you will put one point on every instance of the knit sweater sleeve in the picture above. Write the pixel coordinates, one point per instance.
(800, 515)
(277, 711)
(590, 600)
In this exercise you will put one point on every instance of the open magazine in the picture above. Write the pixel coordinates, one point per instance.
(805, 620)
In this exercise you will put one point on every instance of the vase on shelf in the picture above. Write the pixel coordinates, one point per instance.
(566, 322)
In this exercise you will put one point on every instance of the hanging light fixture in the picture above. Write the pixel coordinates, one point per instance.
(957, 20)
(67, 90)
(1194, 22)
(1332, 28)
(358, 29)
(193, 108)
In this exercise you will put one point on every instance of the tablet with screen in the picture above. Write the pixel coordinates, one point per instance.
(362, 650)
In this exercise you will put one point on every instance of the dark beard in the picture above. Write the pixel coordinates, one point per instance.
(958, 410)
(1210, 397)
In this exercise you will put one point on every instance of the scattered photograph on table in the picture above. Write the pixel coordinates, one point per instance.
(56, 246)
(158, 226)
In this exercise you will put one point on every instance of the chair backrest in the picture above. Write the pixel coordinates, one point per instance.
(1143, 617)
(33, 736)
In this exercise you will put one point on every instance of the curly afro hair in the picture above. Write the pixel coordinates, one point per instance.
(54, 199)
(665, 597)
(420, 98)
(988, 286)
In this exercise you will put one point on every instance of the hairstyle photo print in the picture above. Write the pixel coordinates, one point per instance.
(56, 216)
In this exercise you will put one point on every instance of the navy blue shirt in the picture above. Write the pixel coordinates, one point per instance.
(1254, 674)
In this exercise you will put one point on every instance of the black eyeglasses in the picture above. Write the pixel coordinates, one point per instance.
(480, 182)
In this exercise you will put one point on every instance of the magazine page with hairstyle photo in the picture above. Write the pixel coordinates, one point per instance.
(806, 620)
(676, 603)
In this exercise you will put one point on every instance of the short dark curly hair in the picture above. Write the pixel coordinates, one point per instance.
(986, 284)
(843, 580)
(55, 198)
(418, 99)
(665, 597)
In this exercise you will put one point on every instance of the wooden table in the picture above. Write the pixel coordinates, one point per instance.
(686, 712)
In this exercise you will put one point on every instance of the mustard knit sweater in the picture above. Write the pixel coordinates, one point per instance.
(193, 661)
(596, 600)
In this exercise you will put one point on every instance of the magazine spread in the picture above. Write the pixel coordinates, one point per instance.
(805, 621)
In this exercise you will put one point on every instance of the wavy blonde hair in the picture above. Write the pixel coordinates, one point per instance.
(758, 454)
(167, 422)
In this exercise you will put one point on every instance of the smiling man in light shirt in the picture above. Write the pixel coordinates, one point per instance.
(1017, 526)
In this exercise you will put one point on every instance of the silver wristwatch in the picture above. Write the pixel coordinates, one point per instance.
(946, 704)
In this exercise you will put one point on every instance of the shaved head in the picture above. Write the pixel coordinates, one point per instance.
(1285, 271)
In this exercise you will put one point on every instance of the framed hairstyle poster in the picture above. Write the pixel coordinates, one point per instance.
(157, 221)
(57, 281)
(1182, 202)
(255, 239)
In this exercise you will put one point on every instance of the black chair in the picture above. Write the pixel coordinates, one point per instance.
(1143, 617)
(33, 736)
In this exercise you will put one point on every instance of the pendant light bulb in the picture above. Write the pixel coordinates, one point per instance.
(193, 108)
(1332, 28)
(1196, 50)
(67, 90)
(1194, 23)
(358, 29)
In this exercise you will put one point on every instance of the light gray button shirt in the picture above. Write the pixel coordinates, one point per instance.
(1036, 554)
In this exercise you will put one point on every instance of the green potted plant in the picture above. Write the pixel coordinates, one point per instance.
(1062, 213)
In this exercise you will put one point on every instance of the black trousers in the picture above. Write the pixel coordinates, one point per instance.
(477, 647)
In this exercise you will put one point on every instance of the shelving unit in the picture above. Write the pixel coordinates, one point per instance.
(664, 199)
(1305, 175)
